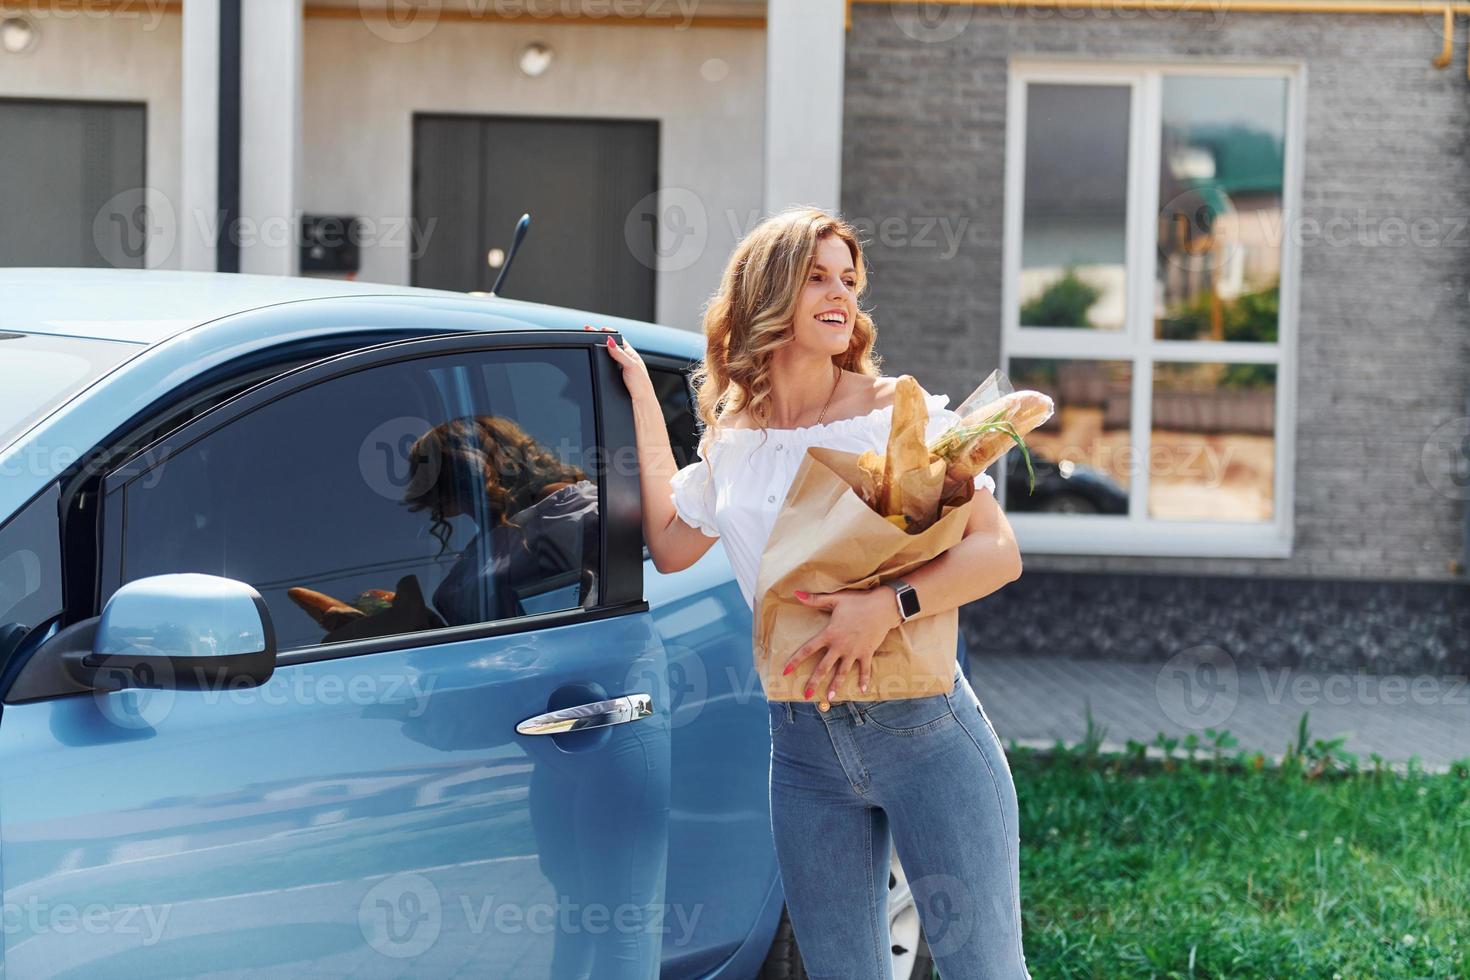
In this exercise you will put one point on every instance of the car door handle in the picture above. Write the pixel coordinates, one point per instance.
(594, 714)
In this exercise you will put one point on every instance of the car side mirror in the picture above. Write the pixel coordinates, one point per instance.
(183, 631)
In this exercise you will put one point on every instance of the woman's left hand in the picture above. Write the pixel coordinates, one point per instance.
(861, 618)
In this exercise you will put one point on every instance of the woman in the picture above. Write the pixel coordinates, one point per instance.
(789, 364)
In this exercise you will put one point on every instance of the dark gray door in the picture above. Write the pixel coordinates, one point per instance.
(586, 184)
(73, 191)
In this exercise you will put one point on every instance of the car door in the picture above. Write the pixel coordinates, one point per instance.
(445, 534)
(719, 833)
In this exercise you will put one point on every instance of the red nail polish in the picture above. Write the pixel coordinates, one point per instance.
(808, 692)
(803, 595)
(789, 669)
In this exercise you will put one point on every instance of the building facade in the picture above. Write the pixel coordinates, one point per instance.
(1228, 237)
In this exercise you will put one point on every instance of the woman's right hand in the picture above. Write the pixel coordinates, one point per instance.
(635, 372)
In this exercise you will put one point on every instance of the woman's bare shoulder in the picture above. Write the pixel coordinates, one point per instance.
(882, 390)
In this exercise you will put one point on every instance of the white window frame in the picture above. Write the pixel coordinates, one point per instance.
(1137, 533)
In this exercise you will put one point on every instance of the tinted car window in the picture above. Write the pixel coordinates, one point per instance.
(672, 388)
(30, 570)
(440, 491)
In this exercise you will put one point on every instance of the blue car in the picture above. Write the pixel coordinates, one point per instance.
(328, 645)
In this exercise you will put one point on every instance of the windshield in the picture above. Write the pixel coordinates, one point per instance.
(39, 372)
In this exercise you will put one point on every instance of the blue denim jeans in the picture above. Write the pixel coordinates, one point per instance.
(931, 772)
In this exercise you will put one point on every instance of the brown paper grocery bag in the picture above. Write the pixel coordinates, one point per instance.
(826, 539)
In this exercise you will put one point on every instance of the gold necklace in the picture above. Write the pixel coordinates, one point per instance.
(835, 381)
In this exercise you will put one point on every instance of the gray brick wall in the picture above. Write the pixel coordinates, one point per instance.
(1384, 349)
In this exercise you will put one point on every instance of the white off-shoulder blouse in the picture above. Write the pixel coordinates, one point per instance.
(753, 469)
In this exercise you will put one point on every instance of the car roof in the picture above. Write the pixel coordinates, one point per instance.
(149, 306)
(178, 324)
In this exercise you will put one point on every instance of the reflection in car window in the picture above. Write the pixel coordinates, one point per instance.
(39, 372)
(30, 571)
(441, 491)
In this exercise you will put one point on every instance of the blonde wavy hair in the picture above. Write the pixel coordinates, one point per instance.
(750, 316)
(487, 465)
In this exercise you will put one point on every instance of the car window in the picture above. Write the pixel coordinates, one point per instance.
(30, 571)
(672, 388)
(39, 372)
(439, 491)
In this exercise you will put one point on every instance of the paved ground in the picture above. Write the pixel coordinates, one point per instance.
(1037, 700)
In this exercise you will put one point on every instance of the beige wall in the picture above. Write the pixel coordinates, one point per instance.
(121, 57)
(705, 85)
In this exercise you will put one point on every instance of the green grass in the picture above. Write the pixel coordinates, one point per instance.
(1217, 868)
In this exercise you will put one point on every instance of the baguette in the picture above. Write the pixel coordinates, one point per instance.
(969, 456)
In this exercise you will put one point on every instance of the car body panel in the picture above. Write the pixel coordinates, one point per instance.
(349, 815)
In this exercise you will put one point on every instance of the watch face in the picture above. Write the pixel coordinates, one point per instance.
(909, 602)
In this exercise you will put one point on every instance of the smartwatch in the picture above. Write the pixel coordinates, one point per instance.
(908, 598)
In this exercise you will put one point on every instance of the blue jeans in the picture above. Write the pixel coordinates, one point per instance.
(932, 772)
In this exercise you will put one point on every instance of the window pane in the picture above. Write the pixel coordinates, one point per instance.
(672, 388)
(38, 373)
(1220, 208)
(438, 491)
(1075, 209)
(1213, 447)
(30, 571)
(1081, 453)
